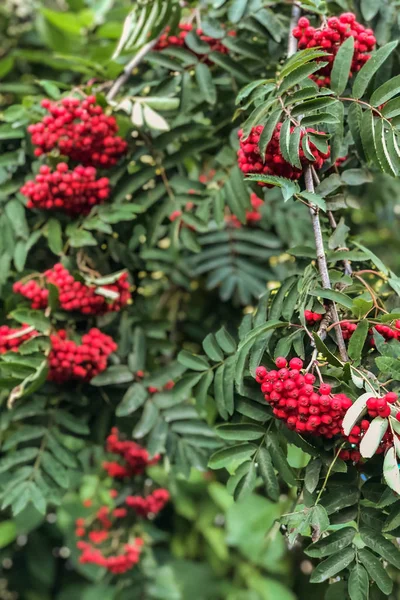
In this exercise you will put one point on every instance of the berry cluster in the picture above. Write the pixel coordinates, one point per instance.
(104, 525)
(135, 457)
(80, 130)
(312, 317)
(74, 295)
(117, 563)
(11, 339)
(71, 361)
(73, 192)
(376, 407)
(150, 505)
(252, 216)
(386, 331)
(295, 401)
(330, 37)
(250, 161)
(380, 407)
(167, 40)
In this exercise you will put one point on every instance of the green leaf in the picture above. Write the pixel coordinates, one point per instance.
(372, 257)
(212, 348)
(333, 543)
(134, 397)
(226, 341)
(357, 340)
(355, 412)
(304, 108)
(289, 188)
(55, 470)
(35, 318)
(381, 546)
(284, 139)
(231, 66)
(294, 148)
(247, 343)
(332, 565)
(358, 583)
(268, 130)
(54, 236)
(279, 460)
(240, 431)
(333, 295)
(300, 73)
(8, 533)
(236, 10)
(147, 420)
(354, 117)
(113, 375)
(371, 67)
(336, 500)
(315, 199)
(70, 422)
(319, 344)
(247, 483)
(206, 83)
(391, 470)
(341, 66)
(192, 361)
(369, 9)
(313, 471)
(223, 458)
(267, 472)
(252, 409)
(386, 91)
(376, 571)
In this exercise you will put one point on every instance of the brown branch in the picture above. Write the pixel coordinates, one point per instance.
(322, 263)
(127, 72)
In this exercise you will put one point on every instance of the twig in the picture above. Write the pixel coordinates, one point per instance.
(136, 60)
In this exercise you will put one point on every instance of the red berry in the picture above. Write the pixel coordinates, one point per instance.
(281, 362)
(296, 363)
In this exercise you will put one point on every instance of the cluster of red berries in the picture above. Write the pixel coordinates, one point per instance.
(252, 216)
(104, 526)
(154, 390)
(74, 295)
(11, 339)
(150, 505)
(135, 457)
(80, 130)
(250, 161)
(295, 401)
(73, 192)
(167, 40)
(330, 37)
(380, 407)
(386, 331)
(71, 361)
(117, 563)
(312, 317)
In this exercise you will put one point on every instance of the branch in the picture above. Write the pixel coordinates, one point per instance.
(136, 60)
(319, 244)
(292, 42)
(322, 264)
